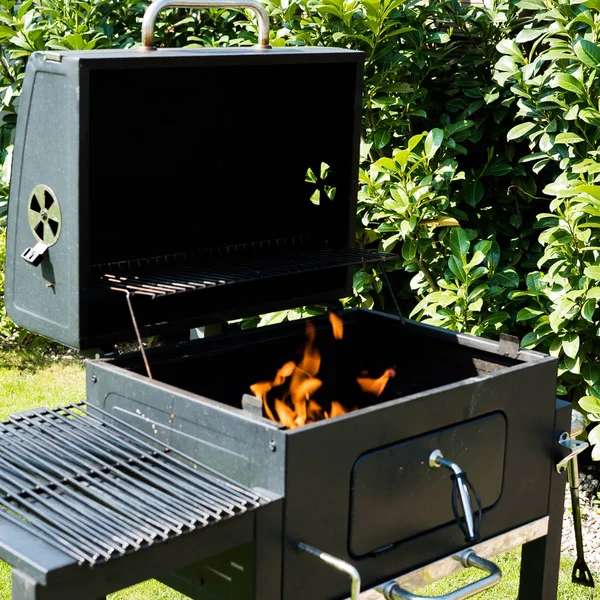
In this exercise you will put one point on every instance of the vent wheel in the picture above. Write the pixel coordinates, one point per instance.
(44, 215)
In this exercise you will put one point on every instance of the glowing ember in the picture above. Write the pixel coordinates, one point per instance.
(376, 386)
(293, 403)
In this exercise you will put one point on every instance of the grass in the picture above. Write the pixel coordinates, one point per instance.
(29, 379)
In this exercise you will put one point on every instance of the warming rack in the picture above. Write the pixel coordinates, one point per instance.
(97, 492)
(187, 272)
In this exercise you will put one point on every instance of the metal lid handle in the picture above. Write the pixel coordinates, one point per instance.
(158, 5)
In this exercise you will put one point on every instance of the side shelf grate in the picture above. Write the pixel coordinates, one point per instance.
(96, 491)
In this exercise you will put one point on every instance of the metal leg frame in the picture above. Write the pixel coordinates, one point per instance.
(26, 588)
(540, 559)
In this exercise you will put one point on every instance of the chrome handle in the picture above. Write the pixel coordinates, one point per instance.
(436, 459)
(336, 563)
(468, 558)
(158, 5)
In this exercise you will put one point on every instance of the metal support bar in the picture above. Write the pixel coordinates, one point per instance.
(338, 564)
(468, 558)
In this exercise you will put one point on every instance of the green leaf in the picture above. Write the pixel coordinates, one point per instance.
(499, 317)
(590, 404)
(587, 52)
(531, 5)
(528, 313)
(413, 142)
(528, 35)
(388, 243)
(520, 130)
(409, 249)
(459, 243)
(386, 163)
(455, 265)
(568, 82)
(568, 138)
(592, 272)
(381, 139)
(507, 277)
(458, 126)
(570, 344)
(508, 46)
(530, 340)
(474, 192)
(588, 309)
(433, 141)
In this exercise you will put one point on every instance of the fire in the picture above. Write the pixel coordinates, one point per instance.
(295, 384)
(376, 386)
(338, 326)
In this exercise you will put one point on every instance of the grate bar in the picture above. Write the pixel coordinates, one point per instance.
(127, 465)
(79, 489)
(146, 494)
(255, 498)
(188, 500)
(183, 481)
(46, 496)
(163, 276)
(97, 492)
(111, 496)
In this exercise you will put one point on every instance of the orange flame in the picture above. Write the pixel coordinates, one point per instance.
(376, 386)
(295, 405)
(338, 326)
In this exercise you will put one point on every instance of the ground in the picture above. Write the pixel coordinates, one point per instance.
(42, 378)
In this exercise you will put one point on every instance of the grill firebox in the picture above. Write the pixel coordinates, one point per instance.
(492, 414)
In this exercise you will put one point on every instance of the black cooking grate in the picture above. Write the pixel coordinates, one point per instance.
(176, 274)
(98, 491)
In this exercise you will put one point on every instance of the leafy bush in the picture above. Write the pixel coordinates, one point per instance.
(551, 67)
(479, 154)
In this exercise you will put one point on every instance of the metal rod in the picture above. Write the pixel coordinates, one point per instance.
(336, 563)
(139, 337)
(139, 501)
(388, 285)
(27, 521)
(85, 523)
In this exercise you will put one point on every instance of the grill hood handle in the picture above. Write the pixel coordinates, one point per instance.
(158, 5)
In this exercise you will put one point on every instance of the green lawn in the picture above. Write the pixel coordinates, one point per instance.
(32, 379)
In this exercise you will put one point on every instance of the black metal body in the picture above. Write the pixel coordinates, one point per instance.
(446, 383)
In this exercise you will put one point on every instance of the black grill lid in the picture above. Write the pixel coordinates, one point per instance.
(229, 173)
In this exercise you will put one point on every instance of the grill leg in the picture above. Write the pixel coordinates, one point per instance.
(540, 559)
(25, 588)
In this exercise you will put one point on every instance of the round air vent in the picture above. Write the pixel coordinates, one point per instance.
(44, 215)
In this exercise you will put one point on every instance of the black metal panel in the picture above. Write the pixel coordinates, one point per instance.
(252, 451)
(321, 457)
(398, 480)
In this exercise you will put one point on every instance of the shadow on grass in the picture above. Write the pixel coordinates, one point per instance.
(33, 357)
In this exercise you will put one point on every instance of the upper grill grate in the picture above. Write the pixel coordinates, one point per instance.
(187, 272)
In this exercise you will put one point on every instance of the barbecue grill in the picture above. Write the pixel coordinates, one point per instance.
(172, 468)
